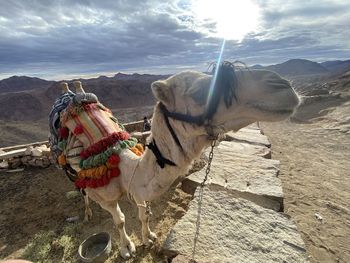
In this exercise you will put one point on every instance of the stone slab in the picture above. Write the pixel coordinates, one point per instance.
(234, 230)
(246, 148)
(249, 176)
(248, 135)
(254, 126)
(16, 147)
(141, 136)
(13, 153)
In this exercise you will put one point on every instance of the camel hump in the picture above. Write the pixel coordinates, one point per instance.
(78, 87)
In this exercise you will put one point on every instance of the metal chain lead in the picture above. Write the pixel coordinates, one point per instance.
(211, 155)
(200, 197)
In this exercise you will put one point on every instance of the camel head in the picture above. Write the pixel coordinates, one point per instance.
(238, 98)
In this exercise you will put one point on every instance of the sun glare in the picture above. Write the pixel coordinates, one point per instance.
(233, 18)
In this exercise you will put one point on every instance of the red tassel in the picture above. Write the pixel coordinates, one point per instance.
(114, 159)
(79, 129)
(105, 180)
(63, 133)
(115, 172)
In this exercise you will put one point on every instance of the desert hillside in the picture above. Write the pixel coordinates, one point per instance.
(24, 110)
(23, 114)
(295, 67)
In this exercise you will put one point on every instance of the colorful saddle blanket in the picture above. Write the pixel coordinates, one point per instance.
(87, 139)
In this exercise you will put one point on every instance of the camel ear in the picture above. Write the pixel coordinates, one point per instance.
(161, 91)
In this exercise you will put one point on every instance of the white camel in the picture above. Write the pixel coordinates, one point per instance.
(187, 116)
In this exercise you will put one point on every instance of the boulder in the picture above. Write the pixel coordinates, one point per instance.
(37, 152)
(45, 162)
(234, 230)
(26, 159)
(44, 149)
(29, 150)
(249, 176)
(14, 163)
(4, 164)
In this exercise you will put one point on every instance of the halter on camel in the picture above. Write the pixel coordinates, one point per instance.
(224, 85)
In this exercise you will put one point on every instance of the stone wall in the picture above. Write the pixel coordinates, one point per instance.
(18, 157)
(135, 126)
(238, 215)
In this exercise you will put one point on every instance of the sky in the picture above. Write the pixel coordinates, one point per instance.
(86, 38)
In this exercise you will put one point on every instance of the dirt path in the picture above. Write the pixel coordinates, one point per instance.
(315, 172)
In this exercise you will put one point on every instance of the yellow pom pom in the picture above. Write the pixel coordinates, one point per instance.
(62, 160)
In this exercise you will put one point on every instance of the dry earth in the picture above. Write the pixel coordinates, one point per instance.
(34, 209)
(315, 172)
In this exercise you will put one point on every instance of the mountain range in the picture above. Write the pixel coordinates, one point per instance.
(26, 98)
(299, 67)
(25, 102)
(32, 102)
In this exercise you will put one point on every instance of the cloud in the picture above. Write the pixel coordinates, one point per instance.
(55, 38)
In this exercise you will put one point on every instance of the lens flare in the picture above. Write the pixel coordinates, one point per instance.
(213, 80)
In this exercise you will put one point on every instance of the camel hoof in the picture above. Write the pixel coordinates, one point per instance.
(124, 253)
(148, 243)
(152, 236)
(128, 251)
(132, 248)
(150, 240)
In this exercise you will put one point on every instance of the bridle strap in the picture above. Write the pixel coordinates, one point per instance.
(70, 172)
(166, 115)
(161, 160)
(199, 119)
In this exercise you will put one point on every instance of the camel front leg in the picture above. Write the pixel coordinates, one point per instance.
(127, 247)
(148, 237)
(88, 211)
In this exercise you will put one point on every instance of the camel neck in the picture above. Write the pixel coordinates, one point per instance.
(156, 180)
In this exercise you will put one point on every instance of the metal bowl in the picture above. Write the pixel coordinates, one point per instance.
(95, 248)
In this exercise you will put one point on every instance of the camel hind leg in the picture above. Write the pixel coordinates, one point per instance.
(127, 247)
